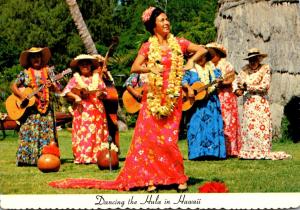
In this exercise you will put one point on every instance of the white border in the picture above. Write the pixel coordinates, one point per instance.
(153, 201)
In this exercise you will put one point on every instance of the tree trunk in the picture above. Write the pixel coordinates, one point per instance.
(86, 38)
(81, 26)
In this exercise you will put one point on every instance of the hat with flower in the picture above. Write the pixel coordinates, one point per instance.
(147, 14)
(217, 46)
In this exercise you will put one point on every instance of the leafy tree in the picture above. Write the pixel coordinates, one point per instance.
(49, 23)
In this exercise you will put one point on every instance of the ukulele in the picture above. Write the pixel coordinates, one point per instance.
(131, 103)
(200, 92)
(16, 107)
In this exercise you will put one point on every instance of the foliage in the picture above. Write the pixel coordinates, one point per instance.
(48, 23)
(239, 175)
(284, 131)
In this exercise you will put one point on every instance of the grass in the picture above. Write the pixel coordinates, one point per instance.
(239, 175)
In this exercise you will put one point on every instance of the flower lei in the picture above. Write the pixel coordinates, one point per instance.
(155, 94)
(90, 87)
(43, 99)
(206, 75)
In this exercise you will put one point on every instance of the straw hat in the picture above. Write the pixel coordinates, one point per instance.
(74, 62)
(219, 47)
(207, 54)
(255, 52)
(99, 58)
(46, 55)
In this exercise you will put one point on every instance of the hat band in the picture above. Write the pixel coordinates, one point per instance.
(254, 53)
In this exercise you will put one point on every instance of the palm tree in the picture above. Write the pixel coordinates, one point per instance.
(81, 26)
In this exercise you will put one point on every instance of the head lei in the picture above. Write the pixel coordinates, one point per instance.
(147, 14)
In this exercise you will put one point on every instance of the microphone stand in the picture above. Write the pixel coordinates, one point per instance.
(109, 139)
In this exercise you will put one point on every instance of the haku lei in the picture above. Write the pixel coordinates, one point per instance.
(91, 86)
(155, 93)
(43, 99)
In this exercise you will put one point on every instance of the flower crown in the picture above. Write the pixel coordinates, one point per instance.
(147, 14)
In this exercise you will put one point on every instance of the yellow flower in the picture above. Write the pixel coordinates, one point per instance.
(154, 96)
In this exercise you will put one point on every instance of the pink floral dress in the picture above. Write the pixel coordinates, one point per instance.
(89, 128)
(256, 124)
(154, 156)
(230, 115)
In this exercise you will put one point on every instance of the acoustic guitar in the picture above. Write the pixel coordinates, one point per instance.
(200, 92)
(131, 103)
(16, 107)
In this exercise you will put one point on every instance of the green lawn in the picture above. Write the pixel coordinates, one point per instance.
(239, 175)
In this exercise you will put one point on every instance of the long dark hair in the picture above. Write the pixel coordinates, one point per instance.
(150, 24)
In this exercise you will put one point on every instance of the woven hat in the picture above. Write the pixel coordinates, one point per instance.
(74, 62)
(219, 47)
(99, 58)
(253, 52)
(46, 55)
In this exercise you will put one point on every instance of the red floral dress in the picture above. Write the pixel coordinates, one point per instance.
(154, 156)
(256, 125)
(89, 128)
(230, 115)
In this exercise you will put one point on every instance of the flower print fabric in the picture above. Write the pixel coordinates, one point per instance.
(205, 129)
(36, 130)
(256, 132)
(229, 107)
(154, 156)
(89, 127)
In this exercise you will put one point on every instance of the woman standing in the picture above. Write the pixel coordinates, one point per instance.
(154, 157)
(205, 129)
(37, 123)
(89, 128)
(228, 99)
(254, 78)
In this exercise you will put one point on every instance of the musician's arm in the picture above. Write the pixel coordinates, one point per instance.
(133, 92)
(54, 86)
(74, 96)
(14, 88)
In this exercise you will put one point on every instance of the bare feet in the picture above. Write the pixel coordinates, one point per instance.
(151, 188)
(182, 187)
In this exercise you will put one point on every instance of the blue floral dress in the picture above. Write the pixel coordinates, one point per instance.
(205, 133)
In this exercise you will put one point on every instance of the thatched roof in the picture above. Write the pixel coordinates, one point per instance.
(273, 26)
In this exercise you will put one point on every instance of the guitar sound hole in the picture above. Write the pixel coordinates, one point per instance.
(24, 103)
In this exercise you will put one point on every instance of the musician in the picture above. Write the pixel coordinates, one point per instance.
(255, 79)
(37, 127)
(134, 81)
(205, 128)
(227, 98)
(111, 100)
(89, 127)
